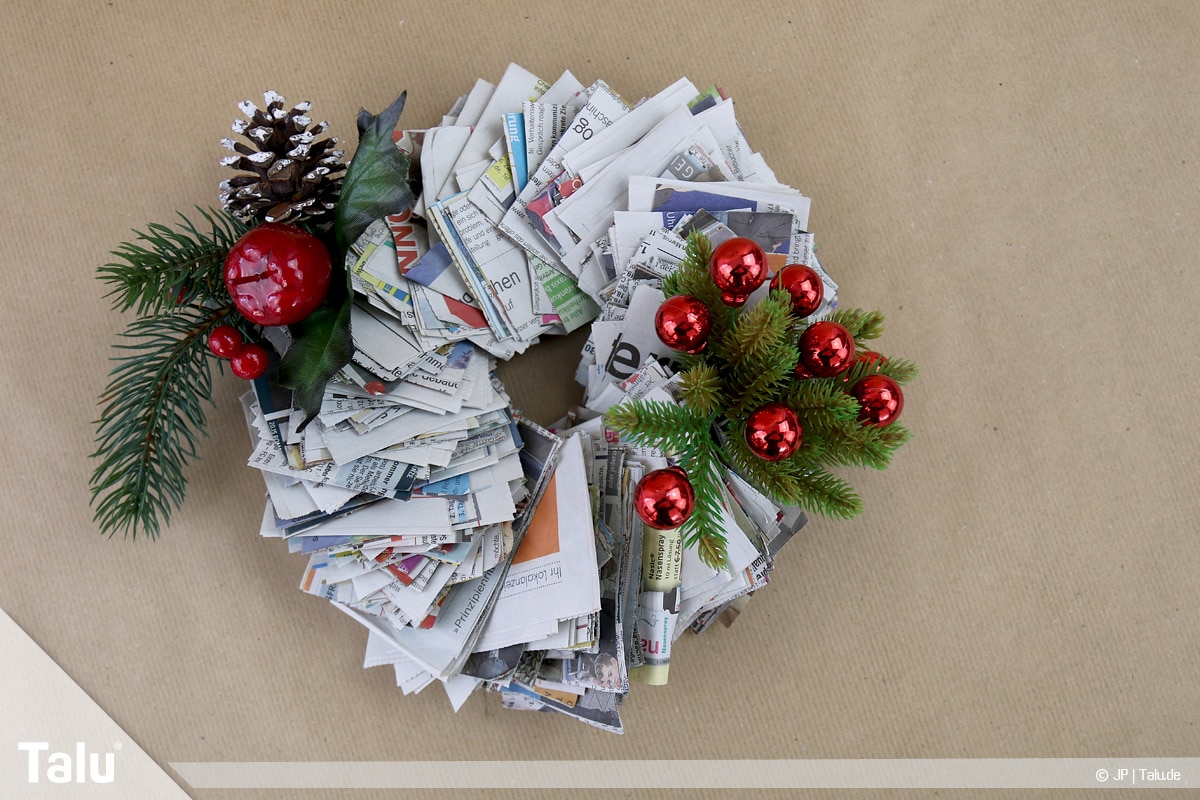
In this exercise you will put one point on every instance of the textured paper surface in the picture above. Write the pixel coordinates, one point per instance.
(1015, 185)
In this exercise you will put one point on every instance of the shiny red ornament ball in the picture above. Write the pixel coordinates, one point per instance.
(773, 432)
(250, 362)
(277, 274)
(664, 498)
(880, 400)
(826, 350)
(870, 357)
(224, 341)
(683, 323)
(738, 267)
(803, 284)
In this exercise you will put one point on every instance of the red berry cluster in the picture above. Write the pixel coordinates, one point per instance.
(248, 361)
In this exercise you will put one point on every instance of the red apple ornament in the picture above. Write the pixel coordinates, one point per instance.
(277, 274)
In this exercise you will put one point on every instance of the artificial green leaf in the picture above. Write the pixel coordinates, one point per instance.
(320, 347)
(376, 183)
(375, 186)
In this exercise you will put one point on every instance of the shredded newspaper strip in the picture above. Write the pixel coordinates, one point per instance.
(479, 549)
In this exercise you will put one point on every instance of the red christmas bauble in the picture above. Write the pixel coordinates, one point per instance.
(870, 357)
(826, 350)
(738, 267)
(803, 284)
(224, 341)
(880, 399)
(773, 432)
(250, 362)
(664, 498)
(277, 274)
(683, 323)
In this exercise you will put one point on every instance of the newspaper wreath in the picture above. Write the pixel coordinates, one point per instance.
(478, 548)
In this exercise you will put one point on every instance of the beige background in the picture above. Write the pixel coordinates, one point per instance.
(1014, 184)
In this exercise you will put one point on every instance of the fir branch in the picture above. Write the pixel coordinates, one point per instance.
(686, 437)
(792, 481)
(761, 353)
(842, 443)
(152, 418)
(759, 330)
(163, 267)
(825, 493)
(901, 370)
(704, 528)
(701, 388)
(760, 383)
(669, 427)
(825, 399)
(863, 325)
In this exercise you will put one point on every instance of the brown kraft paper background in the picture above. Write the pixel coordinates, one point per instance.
(1013, 184)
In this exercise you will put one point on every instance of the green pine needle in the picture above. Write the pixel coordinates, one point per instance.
(759, 331)
(794, 480)
(669, 427)
(863, 325)
(824, 399)
(165, 267)
(153, 413)
(704, 529)
(152, 418)
(901, 370)
(700, 386)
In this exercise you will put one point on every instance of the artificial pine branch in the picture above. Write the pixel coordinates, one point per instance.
(701, 388)
(835, 442)
(823, 399)
(163, 267)
(760, 350)
(794, 480)
(152, 418)
(759, 331)
(901, 370)
(669, 427)
(704, 529)
(862, 325)
(759, 382)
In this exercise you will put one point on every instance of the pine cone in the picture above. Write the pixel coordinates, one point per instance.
(295, 177)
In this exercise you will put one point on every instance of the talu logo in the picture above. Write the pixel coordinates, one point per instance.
(83, 767)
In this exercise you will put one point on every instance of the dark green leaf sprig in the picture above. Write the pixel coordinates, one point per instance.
(376, 185)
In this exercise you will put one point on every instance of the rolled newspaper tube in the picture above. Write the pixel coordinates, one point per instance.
(658, 603)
